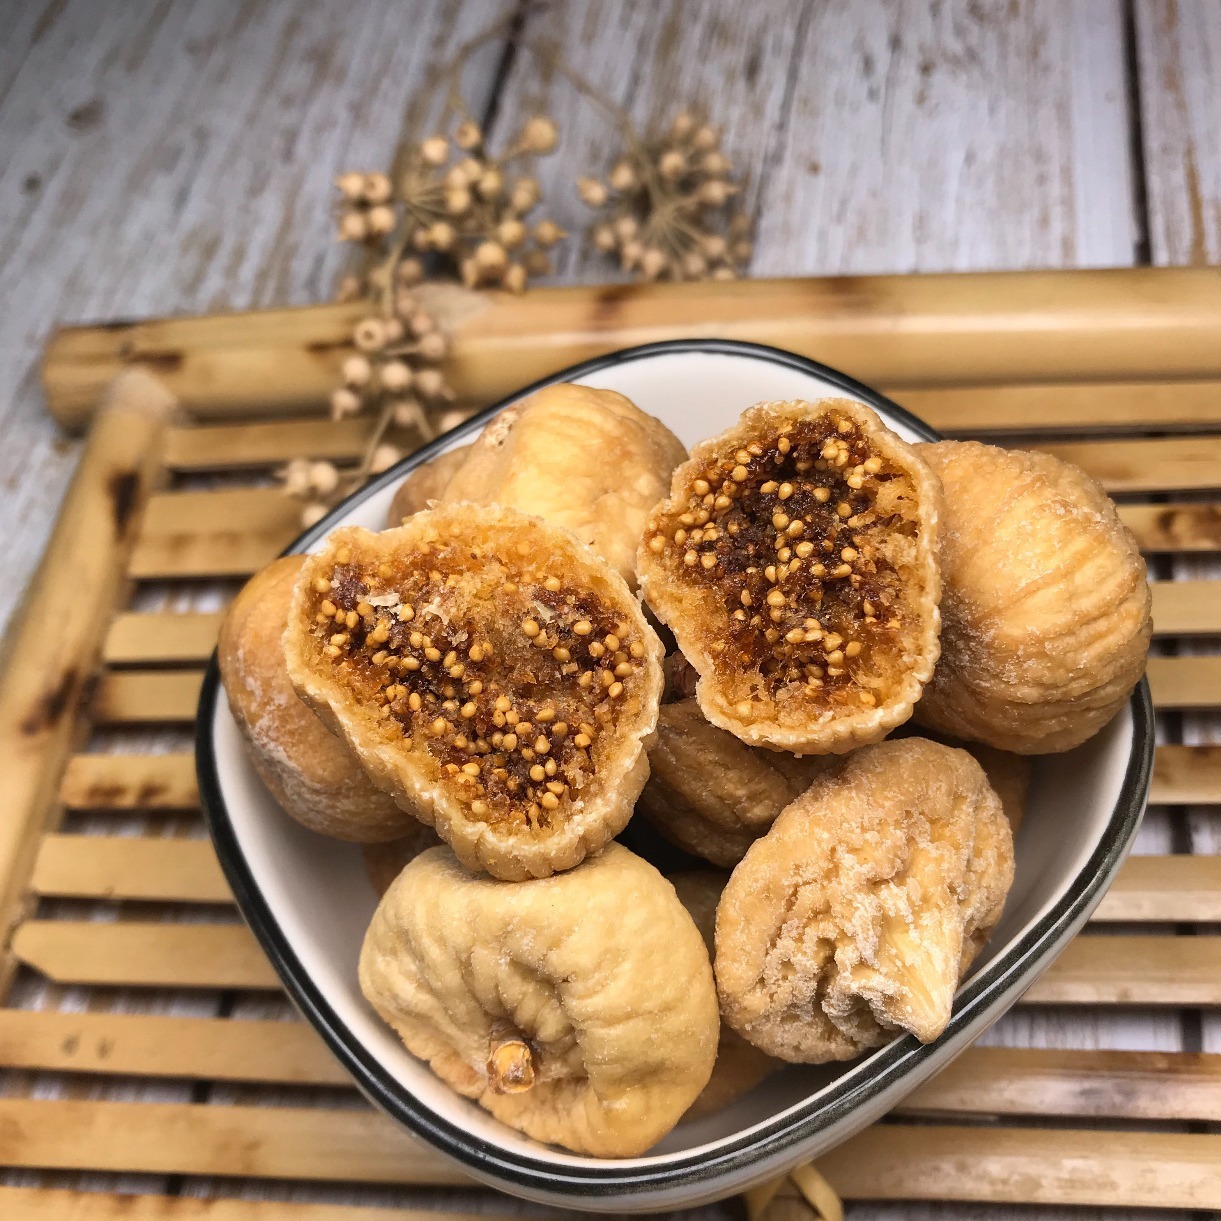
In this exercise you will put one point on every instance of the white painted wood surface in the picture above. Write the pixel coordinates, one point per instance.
(176, 157)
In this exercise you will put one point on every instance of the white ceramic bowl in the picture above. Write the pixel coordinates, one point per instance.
(309, 902)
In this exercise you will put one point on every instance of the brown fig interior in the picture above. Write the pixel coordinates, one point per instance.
(806, 540)
(508, 676)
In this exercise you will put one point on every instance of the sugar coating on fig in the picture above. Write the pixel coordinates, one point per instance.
(795, 560)
(711, 794)
(853, 919)
(311, 773)
(1046, 606)
(491, 673)
(578, 1009)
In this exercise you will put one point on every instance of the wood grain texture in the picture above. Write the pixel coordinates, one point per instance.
(130, 782)
(182, 636)
(129, 868)
(1179, 50)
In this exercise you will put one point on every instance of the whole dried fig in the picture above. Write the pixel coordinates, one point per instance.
(855, 916)
(426, 483)
(1046, 607)
(795, 560)
(711, 794)
(578, 1009)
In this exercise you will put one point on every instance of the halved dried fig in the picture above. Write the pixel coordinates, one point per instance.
(796, 563)
(739, 1066)
(855, 916)
(427, 482)
(1046, 606)
(586, 459)
(491, 673)
(579, 1009)
(711, 794)
(309, 771)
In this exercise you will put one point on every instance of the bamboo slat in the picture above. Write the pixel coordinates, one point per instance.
(1186, 608)
(1185, 682)
(984, 1081)
(929, 330)
(1174, 528)
(129, 868)
(46, 673)
(1157, 464)
(162, 638)
(1166, 889)
(230, 447)
(144, 954)
(1186, 775)
(134, 697)
(1180, 608)
(891, 1161)
(130, 782)
(51, 1204)
(1128, 970)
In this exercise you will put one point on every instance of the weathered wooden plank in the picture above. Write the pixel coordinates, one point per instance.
(133, 697)
(1186, 608)
(1167, 889)
(161, 637)
(1179, 45)
(1186, 775)
(236, 446)
(129, 867)
(130, 782)
(1170, 528)
(1129, 970)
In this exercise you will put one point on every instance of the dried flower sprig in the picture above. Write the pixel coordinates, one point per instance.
(666, 209)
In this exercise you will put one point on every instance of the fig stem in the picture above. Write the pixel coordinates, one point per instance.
(510, 1065)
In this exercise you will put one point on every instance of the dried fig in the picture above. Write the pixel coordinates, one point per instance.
(578, 1009)
(384, 862)
(586, 459)
(739, 1066)
(711, 794)
(1046, 605)
(309, 771)
(427, 482)
(491, 673)
(796, 563)
(1009, 776)
(857, 913)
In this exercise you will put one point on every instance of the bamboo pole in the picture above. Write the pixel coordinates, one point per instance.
(929, 330)
(52, 648)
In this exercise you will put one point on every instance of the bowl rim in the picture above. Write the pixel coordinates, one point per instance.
(736, 1158)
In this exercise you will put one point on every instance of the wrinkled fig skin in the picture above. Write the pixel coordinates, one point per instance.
(854, 918)
(711, 794)
(607, 1017)
(310, 772)
(1046, 607)
(425, 484)
(588, 460)
(739, 1066)
(795, 561)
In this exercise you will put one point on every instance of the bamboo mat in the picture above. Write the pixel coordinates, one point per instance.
(111, 917)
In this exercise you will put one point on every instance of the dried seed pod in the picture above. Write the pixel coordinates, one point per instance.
(586, 459)
(491, 673)
(739, 1066)
(310, 772)
(384, 862)
(425, 485)
(1046, 606)
(720, 821)
(796, 563)
(855, 916)
(594, 1031)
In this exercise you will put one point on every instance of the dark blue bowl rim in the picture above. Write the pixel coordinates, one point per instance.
(1010, 972)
